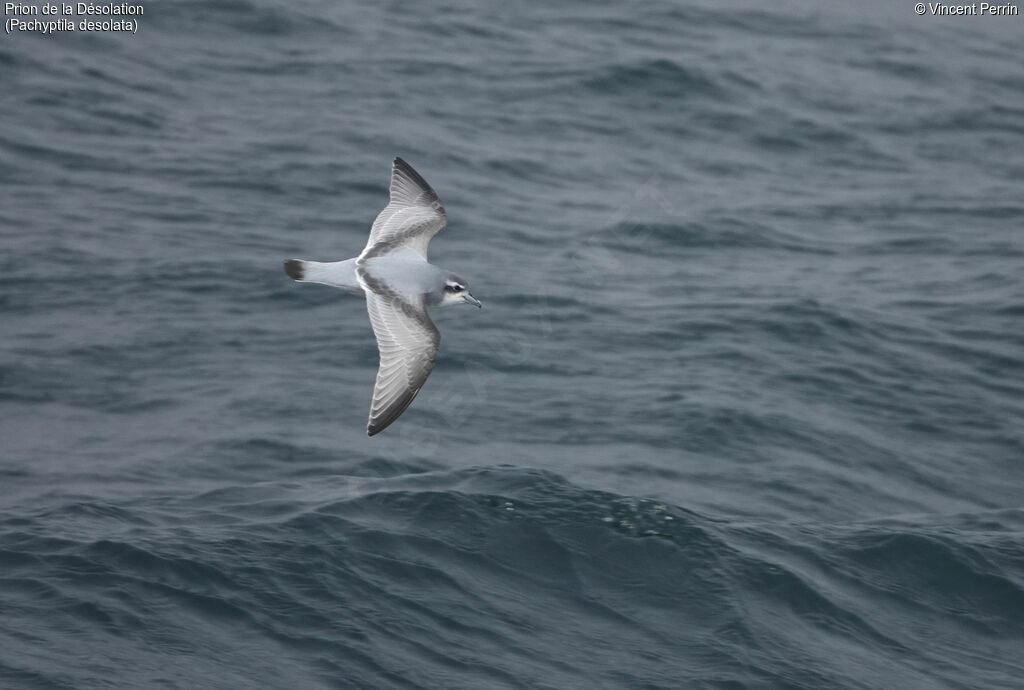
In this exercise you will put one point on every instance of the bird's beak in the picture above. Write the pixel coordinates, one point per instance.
(470, 299)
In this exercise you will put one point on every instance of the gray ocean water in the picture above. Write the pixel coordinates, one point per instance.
(743, 407)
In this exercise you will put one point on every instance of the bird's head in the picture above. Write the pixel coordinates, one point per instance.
(456, 291)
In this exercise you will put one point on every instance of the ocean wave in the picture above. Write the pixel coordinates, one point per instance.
(418, 578)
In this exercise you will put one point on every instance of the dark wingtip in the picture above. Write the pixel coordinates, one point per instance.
(387, 417)
(293, 269)
(401, 168)
(400, 165)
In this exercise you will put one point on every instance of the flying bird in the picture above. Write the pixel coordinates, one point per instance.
(399, 284)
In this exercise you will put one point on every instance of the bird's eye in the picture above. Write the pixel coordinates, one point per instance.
(455, 288)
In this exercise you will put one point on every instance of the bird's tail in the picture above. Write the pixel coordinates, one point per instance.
(340, 274)
(295, 269)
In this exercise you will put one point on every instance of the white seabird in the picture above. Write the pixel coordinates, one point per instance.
(399, 284)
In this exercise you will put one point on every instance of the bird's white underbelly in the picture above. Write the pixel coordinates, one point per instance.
(405, 273)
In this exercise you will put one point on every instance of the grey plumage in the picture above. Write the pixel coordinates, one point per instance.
(412, 217)
(399, 284)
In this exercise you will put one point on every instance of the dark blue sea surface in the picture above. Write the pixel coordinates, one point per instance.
(744, 407)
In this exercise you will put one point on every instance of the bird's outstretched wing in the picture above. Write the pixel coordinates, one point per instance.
(410, 220)
(408, 342)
